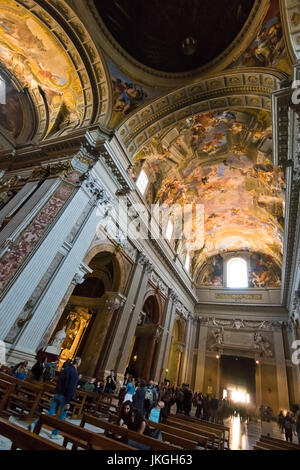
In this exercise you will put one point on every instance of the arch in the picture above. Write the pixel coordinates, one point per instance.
(245, 88)
(154, 298)
(120, 279)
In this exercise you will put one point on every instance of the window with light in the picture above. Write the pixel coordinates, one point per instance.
(142, 182)
(237, 273)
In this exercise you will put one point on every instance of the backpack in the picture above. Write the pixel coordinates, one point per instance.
(149, 395)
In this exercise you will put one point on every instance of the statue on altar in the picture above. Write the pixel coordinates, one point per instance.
(55, 346)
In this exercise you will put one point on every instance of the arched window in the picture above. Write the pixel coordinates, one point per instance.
(237, 273)
(142, 182)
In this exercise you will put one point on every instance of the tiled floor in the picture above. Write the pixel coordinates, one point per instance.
(243, 436)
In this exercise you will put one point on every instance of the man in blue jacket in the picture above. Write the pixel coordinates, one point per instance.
(64, 393)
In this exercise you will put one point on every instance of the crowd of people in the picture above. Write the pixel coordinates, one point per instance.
(141, 400)
(289, 424)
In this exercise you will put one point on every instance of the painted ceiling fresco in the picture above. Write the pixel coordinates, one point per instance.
(128, 95)
(268, 48)
(30, 51)
(11, 113)
(222, 160)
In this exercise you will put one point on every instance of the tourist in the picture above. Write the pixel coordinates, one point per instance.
(179, 396)
(187, 400)
(14, 369)
(89, 386)
(81, 382)
(288, 427)
(50, 371)
(99, 387)
(129, 390)
(150, 397)
(111, 383)
(125, 413)
(138, 424)
(66, 364)
(298, 426)
(280, 421)
(38, 369)
(64, 393)
(155, 413)
(199, 405)
(21, 371)
(139, 398)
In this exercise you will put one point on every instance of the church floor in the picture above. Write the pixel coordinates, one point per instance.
(243, 436)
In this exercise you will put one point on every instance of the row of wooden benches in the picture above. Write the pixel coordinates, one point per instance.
(270, 443)
(173, 436)
(26, 399)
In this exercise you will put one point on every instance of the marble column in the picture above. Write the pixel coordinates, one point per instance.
(183, 366)
(116, 348)
(29, 278)
(191, 348)
(166, 337)
(135, 308)
(92, 357)
(282, 385)
(200, 369)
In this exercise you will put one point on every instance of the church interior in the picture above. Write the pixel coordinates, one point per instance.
(149, 213)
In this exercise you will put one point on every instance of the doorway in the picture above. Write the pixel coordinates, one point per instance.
(237, 379)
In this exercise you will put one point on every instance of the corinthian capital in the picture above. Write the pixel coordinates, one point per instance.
(145, 262)
(95, 190)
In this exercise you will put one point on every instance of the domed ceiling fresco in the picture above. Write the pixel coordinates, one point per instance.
(222, 160)
(33, 55)
(11, 113)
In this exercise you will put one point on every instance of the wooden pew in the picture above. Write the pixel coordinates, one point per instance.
(78, 436)
(6, 389)
(126, 434)
(25, 440)
(25, 396)
(171, 431)
(259, 447)
(181, 439)
(218, 427)
(279, 442)
(215, 437)
(267, 446)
